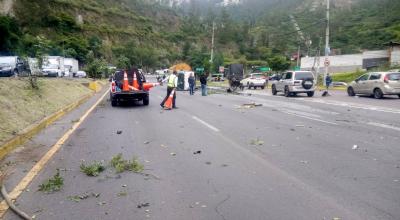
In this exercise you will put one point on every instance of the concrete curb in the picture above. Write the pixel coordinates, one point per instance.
(34, 129)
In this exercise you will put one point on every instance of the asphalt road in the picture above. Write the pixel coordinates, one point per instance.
(291, 158)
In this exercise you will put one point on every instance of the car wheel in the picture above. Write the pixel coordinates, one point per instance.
(310, 94)
(114, 102)
(350, 91)
(15, 72)
(287, 92)
(398, 96)
(146, 100)
(274, 92)
(262, 87)
(378, 94)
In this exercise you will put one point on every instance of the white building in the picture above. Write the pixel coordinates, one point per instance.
(353, 62)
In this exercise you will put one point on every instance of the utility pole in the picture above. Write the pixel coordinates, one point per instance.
(327, 47)
(212, 43)
(298, 57)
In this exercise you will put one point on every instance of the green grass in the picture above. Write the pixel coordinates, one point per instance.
(22, 106)
(347, 77)
(93, 169)
(53, 184)
(120, 165)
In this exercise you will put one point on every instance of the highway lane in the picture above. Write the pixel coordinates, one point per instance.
(303, 168)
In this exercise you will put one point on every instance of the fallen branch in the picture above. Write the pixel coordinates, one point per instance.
(16, 210)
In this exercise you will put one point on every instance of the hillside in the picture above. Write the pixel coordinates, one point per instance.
(153, 33)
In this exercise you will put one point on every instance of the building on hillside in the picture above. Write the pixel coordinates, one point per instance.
(394, 53)
(352, 62)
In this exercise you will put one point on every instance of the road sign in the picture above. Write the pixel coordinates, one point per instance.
(265, 69)
(327, 62)
(199, 69)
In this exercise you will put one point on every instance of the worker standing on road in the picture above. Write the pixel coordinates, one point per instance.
(203, 82)
(328, 82)
(171, 86)
(192, 82)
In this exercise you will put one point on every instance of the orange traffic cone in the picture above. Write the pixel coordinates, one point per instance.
(135, 82)
(168, 103)
(148, 86)
(125, 86)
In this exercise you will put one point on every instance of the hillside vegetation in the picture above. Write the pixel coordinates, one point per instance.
(152, 35)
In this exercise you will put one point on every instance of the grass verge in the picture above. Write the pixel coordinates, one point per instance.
(22, 106)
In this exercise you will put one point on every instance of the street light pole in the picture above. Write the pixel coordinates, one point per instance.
(327, 49)
(212, 43)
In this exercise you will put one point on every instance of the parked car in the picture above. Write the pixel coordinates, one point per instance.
(80, 74)
(71, 67)
(53, 66)
(294, 82)
(11, 65)
(217, 77)
(254, 80)
(377, 84)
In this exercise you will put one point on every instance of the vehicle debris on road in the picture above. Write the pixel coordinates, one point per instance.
(142, 205)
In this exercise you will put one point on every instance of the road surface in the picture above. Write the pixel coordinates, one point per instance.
(213, 158)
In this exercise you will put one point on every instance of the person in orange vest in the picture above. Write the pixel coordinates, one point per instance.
(172, 83)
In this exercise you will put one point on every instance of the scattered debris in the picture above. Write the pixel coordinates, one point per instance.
(119, 132)
(53, 184)
(208, 163)
(224, 165)
(249, 105)
(146, 142)
(292, 129)
(197, 152)
(336, 218)
(122, 193)
(257, 142)
(101, 203)
(122, 165)
(355, 147)
(93, 169)
(124, 185)
(75, 121)
(83, 196)
(304, 161)
(142, 205)
(203, 206)
(173, 154)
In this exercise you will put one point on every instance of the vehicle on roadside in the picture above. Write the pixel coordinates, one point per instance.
(71, 67)
(234, 73)
(216, 77)
(376, 84)
(81, 74)
(294, 82)
(53, 66)
(117, 95)
(12, 65)
(254, 80)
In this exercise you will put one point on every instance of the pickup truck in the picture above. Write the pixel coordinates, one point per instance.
(117, 95)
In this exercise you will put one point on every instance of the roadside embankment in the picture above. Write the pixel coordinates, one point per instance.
(24, 108)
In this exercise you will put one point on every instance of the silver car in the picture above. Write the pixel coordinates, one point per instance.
(377, 84)
(294, 82)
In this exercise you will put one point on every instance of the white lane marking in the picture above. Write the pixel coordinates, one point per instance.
(206, 124)
(353, 105)
(384, 126)
(314, 119)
